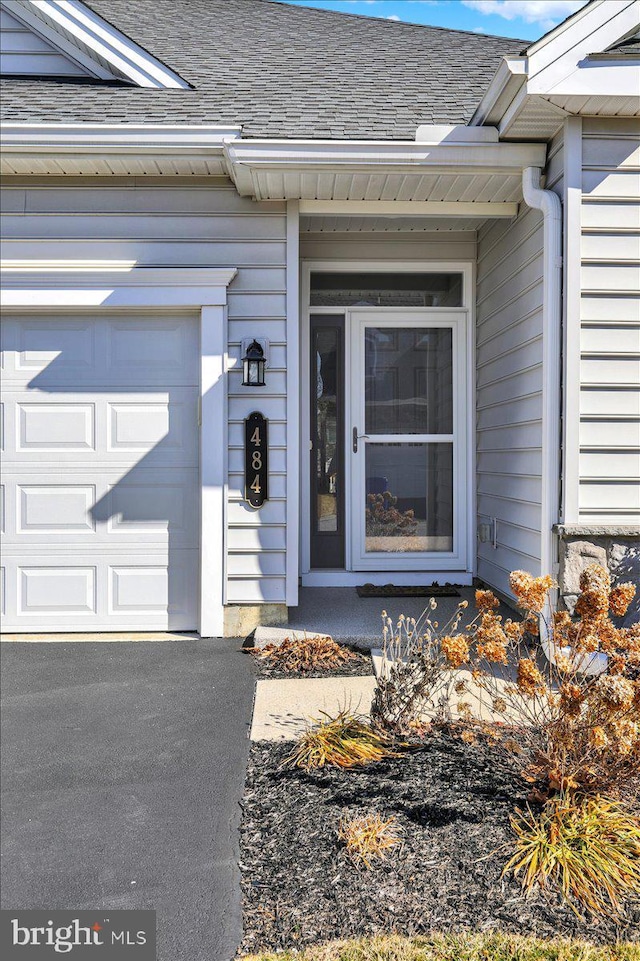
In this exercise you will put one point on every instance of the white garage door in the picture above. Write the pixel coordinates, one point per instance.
(100, 473)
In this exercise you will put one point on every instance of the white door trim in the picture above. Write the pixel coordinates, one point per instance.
(467, 268)
(30, 286)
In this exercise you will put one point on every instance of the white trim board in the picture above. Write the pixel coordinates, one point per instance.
(29, 288)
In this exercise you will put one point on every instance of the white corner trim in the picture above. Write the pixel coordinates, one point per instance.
(126, 58)
(549, 204)
(570, 508)
(213, 468)
(294, 442)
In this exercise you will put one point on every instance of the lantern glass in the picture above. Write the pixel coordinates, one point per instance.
(253, 365)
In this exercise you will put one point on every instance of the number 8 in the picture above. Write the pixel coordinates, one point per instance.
(256, 460)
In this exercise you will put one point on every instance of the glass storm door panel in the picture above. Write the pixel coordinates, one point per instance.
(408, 408)
(327, 441)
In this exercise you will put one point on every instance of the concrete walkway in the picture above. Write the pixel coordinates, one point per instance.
(350, 619)
(123, 768)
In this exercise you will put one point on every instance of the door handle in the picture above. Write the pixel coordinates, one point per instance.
(356, 438)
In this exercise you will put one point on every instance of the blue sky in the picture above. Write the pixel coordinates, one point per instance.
(525, 19)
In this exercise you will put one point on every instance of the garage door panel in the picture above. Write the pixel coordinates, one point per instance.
(100, 506)
(55, 354)
(135, 429)
(108, 593)
(145, 508)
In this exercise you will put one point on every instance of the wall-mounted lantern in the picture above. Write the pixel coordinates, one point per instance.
(253, 365)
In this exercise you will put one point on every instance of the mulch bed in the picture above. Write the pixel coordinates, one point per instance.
(453, 805)
(361, 665)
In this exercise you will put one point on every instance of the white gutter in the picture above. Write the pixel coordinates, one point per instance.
(96, 138)
(549, 203)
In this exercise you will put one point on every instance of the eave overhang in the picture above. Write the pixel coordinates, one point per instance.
(458, 169)
(374, 171)
(103, 150)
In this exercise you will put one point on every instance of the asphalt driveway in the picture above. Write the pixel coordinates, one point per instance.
(122, 769)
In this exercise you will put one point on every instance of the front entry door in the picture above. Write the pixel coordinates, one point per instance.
(406, 441)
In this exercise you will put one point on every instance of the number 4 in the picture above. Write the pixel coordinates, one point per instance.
(255, 437)
(256, 485)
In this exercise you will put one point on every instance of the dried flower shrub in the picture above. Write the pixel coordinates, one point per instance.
(417, 677)
(566, 729)
(305, 654)
(369, 837)
(344, 741)
(587, 848)
(576, 731)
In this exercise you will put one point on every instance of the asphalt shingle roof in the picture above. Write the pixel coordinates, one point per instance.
(279, 70)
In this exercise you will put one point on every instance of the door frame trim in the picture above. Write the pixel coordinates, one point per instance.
(80, 286)
(468, 270)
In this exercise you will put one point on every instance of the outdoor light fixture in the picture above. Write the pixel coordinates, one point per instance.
(253, 364)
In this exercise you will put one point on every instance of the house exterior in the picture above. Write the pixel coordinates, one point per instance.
(433, 236)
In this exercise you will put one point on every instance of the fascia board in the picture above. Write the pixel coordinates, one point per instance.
(557, 32)
(601, 26)
(509, 78)
(115, 138)
(600, 78)
(367, 154)
(123, 55)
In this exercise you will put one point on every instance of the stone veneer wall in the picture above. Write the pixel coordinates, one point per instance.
(616, 548)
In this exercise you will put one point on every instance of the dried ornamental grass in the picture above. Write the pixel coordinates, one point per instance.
(303, 655)
(461, 946)
(589, 849)
(368, 837)
(344, 741)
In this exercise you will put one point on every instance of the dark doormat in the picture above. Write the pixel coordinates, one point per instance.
(390, 590)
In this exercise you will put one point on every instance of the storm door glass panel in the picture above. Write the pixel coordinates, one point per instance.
(327, 414)
(408, 380)
(409, 497)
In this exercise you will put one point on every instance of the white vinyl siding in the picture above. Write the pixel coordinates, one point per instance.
(609, 435)
(24, 53)
(195, 224)
(452, 246)
(509, 380)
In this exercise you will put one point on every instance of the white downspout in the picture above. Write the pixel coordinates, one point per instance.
(549, 203)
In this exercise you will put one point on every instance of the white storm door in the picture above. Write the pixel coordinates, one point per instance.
(407, 440)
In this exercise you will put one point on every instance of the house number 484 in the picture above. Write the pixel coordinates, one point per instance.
(256, 459)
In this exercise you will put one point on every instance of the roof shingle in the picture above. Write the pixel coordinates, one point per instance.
(279, 70)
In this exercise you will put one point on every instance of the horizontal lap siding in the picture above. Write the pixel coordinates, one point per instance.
(200, 225)
(509, 394)
(610, 323)
(445, 245)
